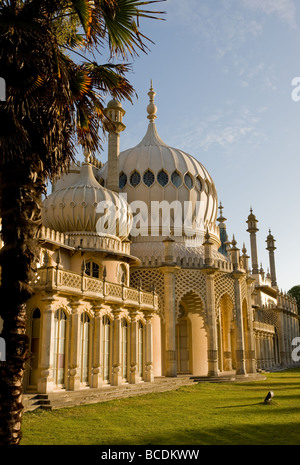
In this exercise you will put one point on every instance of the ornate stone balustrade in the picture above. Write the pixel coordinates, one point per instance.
(66, 282)
(287, 302)
(88, 241)
(188, 262)
(263, 327)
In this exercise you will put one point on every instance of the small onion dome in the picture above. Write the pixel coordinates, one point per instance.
(86, 207)
(114, 104)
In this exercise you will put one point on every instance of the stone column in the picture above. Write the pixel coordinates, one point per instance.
(257, 350)
(149, 374)
(240, 344)
(116, 365)
(281, 339)
(45, 382)
(212, 352)
(134, 376)
(97, 378)
(170, 319)
(74, 375)
(251, 349)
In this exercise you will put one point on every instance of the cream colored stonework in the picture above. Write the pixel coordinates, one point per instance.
(110, 308)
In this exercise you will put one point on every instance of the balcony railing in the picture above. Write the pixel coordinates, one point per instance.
(66, 282)
(263, 327)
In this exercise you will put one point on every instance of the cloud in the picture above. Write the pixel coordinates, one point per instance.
(284, 9)
(222, 25)
(226, 25)
(223, 129)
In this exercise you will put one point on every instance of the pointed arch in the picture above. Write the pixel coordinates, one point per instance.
(226, 332)
(191, 335)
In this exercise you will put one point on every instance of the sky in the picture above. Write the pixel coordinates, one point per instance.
(224, 72)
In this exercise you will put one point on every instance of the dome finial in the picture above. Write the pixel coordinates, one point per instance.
(151, 108)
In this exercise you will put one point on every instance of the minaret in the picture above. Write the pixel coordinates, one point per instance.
(115, 113)
(235, 254)
(252, 229)
(271, 247)
(223, 232)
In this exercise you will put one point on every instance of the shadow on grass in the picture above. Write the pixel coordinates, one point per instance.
(260, 434)
(246, 405)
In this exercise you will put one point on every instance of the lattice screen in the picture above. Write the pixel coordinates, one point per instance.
(190, 281)
(224, 284)
(147, 278)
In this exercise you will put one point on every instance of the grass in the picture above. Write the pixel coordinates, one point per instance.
(200, 414)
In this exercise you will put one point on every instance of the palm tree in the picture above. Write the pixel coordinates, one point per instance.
(52, 104)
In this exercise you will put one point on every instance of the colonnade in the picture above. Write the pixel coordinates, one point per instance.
(74, 347)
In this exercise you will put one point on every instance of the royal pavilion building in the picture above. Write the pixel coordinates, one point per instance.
(138, 279)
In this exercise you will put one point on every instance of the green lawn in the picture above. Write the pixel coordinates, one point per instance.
(211, 414)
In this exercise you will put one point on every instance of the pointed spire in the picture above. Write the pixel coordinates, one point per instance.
(151, 108)
(271, 249)
(87, 152)
(223, 233)
(221, 218)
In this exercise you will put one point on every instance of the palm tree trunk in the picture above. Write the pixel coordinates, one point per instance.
(20, 212)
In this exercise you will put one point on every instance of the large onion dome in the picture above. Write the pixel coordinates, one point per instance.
(152, 171)
(86, 207)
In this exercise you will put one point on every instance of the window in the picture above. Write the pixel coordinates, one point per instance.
(176, 179)
(122, 180)
(34, 346)
(198, 184)
(188, 181)
(206, 187)
(162, 178)
(135, 179)
(122, 274)
(124, 349)
(148, 178)
(92, 269)
(60, 323)
(141, 349)
(84, 348)
(106, 347)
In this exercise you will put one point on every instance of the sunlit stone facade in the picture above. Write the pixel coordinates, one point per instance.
(126, 301)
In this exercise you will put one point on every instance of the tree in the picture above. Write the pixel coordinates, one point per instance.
(52, 104)
(295, 292)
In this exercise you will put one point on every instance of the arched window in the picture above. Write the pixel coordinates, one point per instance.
(148, 178)
(135, 179)
(198, 184)
(92, 269)
(34, 346)
(84, 348)
(106, 347)
(176, 179)
(162, 178)
(122, 180)
(124, 349)
(60, 323)
(188, 181)
(122, 274)
(141, 349)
